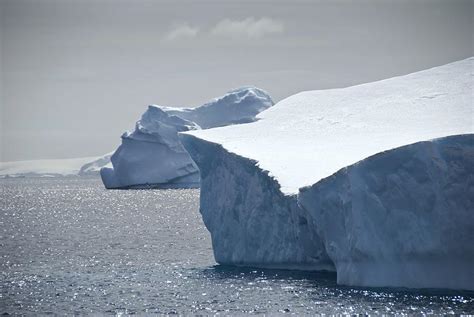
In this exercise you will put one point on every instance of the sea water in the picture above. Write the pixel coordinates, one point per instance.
(70, 246)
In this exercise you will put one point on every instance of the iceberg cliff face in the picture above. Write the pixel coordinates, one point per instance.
(152, 155)
(404, 217)
(251, 221)
(314, 139)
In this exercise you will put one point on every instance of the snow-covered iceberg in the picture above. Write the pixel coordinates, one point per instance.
(342, 176)
(240, 105)
(153, 156)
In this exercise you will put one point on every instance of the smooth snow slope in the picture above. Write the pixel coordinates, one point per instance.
(313, 134)
(384, 208)
(152, 155)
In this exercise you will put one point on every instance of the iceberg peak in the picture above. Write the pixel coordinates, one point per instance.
(240, 105)
(152, 154)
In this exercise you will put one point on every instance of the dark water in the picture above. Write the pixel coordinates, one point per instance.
(70, 246)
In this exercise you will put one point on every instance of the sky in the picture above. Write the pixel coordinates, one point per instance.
(76, 74)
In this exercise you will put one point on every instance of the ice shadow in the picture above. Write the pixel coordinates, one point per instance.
(224, 272)
(322, 279)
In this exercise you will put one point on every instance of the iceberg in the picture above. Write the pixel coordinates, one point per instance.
(153, 156)
(374, 181)
(93, 168)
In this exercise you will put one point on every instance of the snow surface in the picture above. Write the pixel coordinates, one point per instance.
(385, 208)
(313, 134)
(44, 168)
(153, 156)
(240, 105)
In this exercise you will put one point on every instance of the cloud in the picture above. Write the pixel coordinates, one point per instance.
(249, 28)
(182, 31)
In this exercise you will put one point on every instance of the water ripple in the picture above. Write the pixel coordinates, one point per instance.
(70, 246)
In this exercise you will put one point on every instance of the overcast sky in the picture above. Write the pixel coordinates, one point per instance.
(76, 74)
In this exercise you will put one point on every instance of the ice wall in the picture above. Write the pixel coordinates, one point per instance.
(152, 155)
(251, 221)
(402, 218)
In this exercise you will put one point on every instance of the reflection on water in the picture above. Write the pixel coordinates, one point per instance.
(68, 245)
(318, 291)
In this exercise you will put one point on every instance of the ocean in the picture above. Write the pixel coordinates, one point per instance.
(69, 246)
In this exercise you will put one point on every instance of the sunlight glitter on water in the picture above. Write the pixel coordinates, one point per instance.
(70, 246)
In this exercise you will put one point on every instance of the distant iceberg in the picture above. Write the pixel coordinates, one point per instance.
(84, 166)
(153, 156)
(374, 181)
(93, 168)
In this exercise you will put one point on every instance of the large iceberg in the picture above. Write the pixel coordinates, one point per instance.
(374, 180)
(153, 156)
